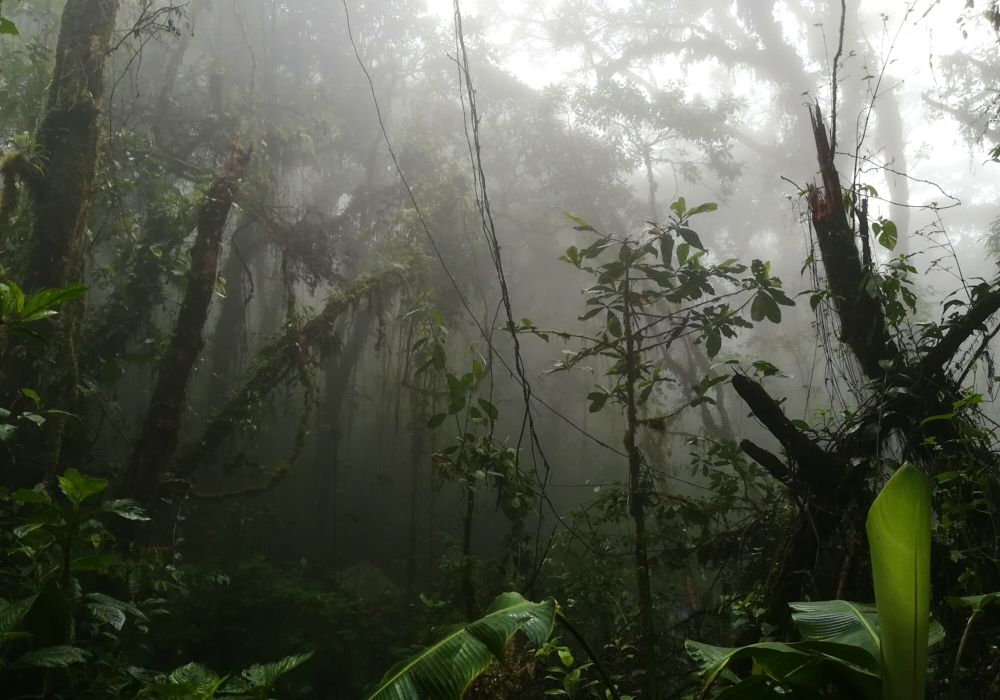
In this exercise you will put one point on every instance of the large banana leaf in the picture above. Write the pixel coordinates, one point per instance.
(443, 671)
(899, 534)
(804, 669)
(844, 622)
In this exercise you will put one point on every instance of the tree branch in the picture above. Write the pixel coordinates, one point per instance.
(818, 468)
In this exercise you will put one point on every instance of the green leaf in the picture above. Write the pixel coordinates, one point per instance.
(266, 675)
(436, 421)
(191, 681)
(889, 236)
(108, 613)
(713, 344)
(77, 487)
(806, 667)
(581, 224)
(489, 408)
(690, 237)
(597, 400)
(8, 27)
(976, 602)
(702, 208)
(12, 612)
(124, 508)
(26, 496)
(838, 621)
(899, 535)
(59, 656)
(443, 671)
(94, 562)
(40, 305)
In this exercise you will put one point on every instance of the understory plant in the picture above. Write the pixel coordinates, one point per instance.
(849, 648)
(76, 618)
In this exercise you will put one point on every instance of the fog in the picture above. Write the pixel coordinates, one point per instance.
(391, 404)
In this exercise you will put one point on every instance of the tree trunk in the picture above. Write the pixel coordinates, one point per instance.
(637, 496)
(278, 359)
(329, 433)
(468, 586)
(227, 339)
(67, 141)
(418, 458)
(160, 429)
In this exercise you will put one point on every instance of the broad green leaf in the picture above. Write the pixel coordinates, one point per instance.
(94, 562)
(124, 508)
(489, 408)
(443, 671)
(838, 621)
(12, 612)
(805, 667)
(107, 613)
(201, 677)
(899, 535)
(122, 605)
(77, 487)
(701, 208)
(437, 420)
(713, 344)
(59, 656)
(26, 496)
(976, 602)
(38, 305)
(888, 236)
(266, 675)
(8, 27)
(691, 238)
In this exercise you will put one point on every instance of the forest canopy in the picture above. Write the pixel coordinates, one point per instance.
(608, 349)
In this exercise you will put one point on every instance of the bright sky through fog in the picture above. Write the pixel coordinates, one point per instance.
(909, 41)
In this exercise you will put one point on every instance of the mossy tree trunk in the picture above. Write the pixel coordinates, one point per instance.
(160, 429)
(60, 190)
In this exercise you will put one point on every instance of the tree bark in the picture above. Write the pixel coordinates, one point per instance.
(68, 137)
(59, 197)
(278, 359)
(637, 497)
(229, 329)
(329, 433)
(160, 429)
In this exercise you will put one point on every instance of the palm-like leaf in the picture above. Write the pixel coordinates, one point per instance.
(899, 534)
(443, 671)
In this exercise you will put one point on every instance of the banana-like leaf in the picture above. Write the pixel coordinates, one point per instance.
(899, 535)
(844, 622)
(443, 671)
(805, 668)
(838, 621)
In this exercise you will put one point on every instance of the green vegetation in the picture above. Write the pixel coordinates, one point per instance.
(606, 349)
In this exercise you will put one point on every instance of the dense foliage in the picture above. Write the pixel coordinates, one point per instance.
(365, 350)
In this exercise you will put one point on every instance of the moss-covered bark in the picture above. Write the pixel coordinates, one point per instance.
(160, 429)
(275, 362)
(59, 181)
(67, 139)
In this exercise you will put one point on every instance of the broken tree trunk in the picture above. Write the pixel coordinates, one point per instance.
(862, 321)
(160, 429)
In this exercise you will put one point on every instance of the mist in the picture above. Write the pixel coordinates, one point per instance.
(327, 328)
